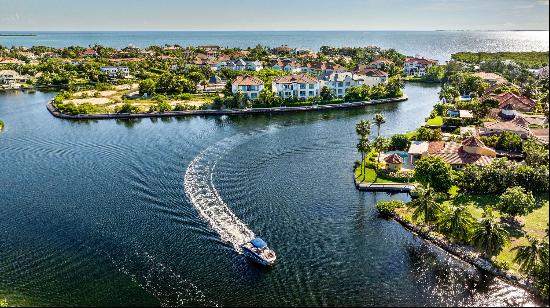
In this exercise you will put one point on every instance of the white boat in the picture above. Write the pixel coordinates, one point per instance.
(258, 251)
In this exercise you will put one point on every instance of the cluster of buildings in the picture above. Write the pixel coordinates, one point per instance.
(303, 86)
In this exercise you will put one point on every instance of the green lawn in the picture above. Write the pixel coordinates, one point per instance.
(437, 121)
(369, 176)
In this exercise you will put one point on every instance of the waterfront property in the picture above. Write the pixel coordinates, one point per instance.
(339, 83)
(417, 67)
(11, 78)
(300, 86)
(248, 85)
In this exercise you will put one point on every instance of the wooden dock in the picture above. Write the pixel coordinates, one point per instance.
(386, 187)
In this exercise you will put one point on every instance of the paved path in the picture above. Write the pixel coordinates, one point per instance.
(389, 187)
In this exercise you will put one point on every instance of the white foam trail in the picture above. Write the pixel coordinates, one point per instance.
(200, 189)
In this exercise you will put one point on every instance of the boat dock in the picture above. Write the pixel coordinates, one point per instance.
(386, 187)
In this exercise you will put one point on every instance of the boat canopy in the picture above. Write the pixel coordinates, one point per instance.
(258, 243)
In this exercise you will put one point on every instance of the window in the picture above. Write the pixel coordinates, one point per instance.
(243, 88)
(253, 95)
(311, 93)
(302, 93)
(302, 86)
(311, 86)
(340, 84)
(348, 84)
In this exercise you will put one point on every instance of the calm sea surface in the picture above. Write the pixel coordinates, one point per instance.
(98, 213)
(435, 44)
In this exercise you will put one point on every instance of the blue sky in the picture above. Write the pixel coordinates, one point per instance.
(67, 15)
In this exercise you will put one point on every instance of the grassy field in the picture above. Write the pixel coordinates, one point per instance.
(437, 121)
(531, 59)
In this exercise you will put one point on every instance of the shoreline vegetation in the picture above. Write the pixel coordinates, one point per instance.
(480, 194)
(55, 112)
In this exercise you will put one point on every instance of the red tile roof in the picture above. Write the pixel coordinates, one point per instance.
(296, 78)
(247, 81)
(420, 61)
(394, 159)
(520, 103)
(473, 141)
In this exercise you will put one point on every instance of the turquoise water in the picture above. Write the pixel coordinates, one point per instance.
(434, 44)
(109, 213)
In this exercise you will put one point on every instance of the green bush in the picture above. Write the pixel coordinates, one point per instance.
(71, 108)
(126, 108)
(387, 208)
(184, 107)
(400, 142)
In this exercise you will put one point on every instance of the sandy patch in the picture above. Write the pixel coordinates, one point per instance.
(92, 100)
(190, 103)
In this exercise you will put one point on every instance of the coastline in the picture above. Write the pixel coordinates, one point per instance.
(466, 254)
(461, 252)
(56, 113)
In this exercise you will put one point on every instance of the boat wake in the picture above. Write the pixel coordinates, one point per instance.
(202, 193)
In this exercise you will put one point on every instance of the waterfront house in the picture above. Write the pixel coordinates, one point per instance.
(470, 151)
(249, 85)
(394, 162)
(116, 71)
(373, 76)
(339, 83)
(417, 67)
(299, 86)
(11, 78)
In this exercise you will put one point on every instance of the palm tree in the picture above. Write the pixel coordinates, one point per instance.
(380, 144)
(457, 222)
(529, 256)
(379, 120)
(426, 206)
(363, 147)
(363, 129)
(490, 235)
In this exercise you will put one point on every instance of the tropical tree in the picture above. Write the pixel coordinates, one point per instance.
(435, 172)
(326, 94)
(515, 201)
(531, 255)
(426, 207)
(381, 144)
(363, 129)
(378, 121)
(457, 222)
(489, 235)
(363, 147)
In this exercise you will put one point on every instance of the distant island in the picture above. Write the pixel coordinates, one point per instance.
(18, 34)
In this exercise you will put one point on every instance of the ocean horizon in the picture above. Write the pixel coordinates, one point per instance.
(436, 44)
